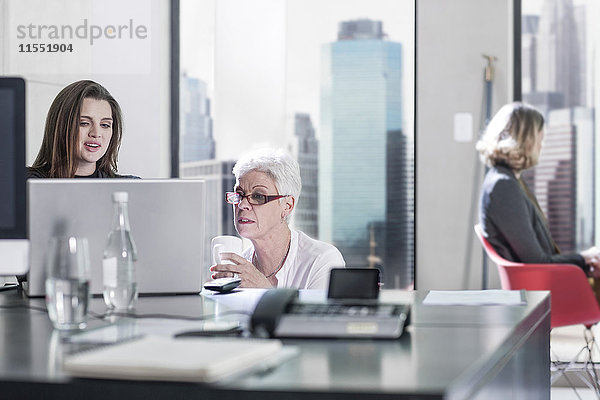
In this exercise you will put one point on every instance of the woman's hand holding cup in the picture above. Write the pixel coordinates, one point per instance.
(235, 265)
(224, 244)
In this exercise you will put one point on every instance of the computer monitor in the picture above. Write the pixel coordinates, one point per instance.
(14, 246)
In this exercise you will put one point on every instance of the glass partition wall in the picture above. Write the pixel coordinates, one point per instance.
(331, 82)
(559, 39)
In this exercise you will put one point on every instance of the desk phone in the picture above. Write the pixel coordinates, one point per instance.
(279, 313)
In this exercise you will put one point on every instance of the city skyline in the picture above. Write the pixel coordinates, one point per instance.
(555, 75)
(257, 85)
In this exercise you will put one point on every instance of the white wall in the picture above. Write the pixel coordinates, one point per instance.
(452, 36)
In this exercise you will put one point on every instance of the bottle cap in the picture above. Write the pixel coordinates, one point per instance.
(120, 197)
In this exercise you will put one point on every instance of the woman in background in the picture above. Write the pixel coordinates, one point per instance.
(267, 188)
(82, 135)
(509, 214)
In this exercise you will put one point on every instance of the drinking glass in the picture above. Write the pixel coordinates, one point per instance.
(68, 282)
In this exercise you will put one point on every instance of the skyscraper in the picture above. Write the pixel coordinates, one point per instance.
(559, 59)
(555, 180)
(564, 177)
(307, 149)
(529, 29)
(399, 255)
(197, 141)
(563, 181)
(361, 117)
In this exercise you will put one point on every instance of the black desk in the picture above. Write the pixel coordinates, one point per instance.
(448, 352)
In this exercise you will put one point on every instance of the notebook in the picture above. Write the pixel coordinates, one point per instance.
(168, 359)
(167, 218)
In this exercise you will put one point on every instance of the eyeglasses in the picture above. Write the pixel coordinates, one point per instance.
(255, 199)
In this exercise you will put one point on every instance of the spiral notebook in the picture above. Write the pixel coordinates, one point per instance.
(169, 359)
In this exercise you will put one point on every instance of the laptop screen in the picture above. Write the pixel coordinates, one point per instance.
(167, 218)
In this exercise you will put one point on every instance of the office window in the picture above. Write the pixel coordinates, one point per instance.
(333, 83)
(559, 57)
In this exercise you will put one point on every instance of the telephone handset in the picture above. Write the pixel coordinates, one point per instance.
(269, 310)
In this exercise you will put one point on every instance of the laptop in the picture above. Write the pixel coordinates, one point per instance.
(167, 219)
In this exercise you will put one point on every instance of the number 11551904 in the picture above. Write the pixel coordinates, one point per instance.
(45, 48)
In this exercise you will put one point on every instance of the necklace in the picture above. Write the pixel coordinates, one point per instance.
(255, 260)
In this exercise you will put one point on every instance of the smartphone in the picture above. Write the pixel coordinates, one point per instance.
(223, 285)
(353, 283)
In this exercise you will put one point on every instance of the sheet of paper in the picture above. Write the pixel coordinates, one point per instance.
(475, 297)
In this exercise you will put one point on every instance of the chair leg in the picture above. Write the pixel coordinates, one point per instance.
(585, 371)
(590, 341)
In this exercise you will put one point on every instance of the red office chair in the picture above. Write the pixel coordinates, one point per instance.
(572, 299)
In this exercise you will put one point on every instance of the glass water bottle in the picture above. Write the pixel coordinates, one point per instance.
(120, 256)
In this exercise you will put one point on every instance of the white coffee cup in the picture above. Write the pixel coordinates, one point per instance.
(225, 244)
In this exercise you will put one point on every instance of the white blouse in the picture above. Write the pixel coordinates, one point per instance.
(308, 263)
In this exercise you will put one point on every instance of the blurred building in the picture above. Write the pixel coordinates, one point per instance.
(565, 174)
(197, 141)
(553, 63)
(360, 177)
(560, 59)
(307, 153)
(529, 29)
(399, 254)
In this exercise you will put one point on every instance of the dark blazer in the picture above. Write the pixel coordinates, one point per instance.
(513, 225)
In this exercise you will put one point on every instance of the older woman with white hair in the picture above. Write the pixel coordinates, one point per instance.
(267, 188)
